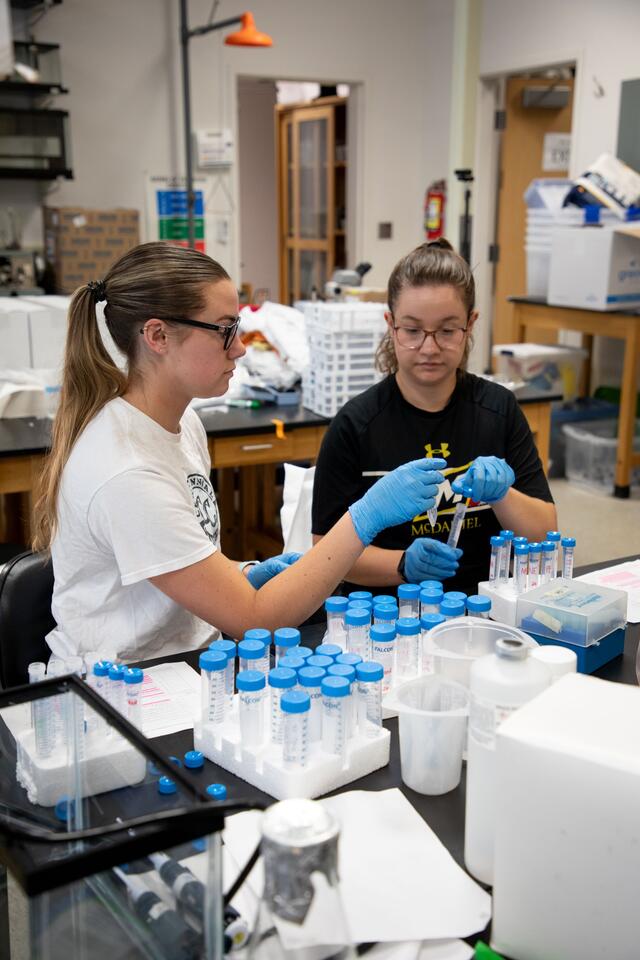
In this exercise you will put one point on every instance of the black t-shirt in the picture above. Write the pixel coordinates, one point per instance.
(379, 430)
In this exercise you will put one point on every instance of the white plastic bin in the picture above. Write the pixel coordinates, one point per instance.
(591, 453)
(555, 369)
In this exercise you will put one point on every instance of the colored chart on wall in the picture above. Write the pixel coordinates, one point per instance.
(167, 212)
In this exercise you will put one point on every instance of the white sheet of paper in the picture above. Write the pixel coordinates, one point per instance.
(385, 846)
(622, 576)
(170, 698)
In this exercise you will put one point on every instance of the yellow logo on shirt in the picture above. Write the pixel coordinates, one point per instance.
(442, 451)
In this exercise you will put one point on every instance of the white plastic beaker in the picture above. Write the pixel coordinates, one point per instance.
(432, 720)
(455, 644)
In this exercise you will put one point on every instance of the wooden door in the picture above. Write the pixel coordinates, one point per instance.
(521, 156)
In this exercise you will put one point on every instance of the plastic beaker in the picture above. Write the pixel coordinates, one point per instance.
(455, 644)
(432, 718)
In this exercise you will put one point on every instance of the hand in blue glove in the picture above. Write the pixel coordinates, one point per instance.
(486, 481)
(262, 572)
(401, 495)
(429, 559)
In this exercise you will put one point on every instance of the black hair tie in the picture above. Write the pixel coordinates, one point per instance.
(98, 289)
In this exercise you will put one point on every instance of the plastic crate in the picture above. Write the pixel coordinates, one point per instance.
(591, 453)
(345, 317)
(578, 411)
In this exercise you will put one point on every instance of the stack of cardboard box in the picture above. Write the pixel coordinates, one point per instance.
(82, 244)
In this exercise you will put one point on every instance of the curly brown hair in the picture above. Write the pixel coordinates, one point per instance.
(430, 264)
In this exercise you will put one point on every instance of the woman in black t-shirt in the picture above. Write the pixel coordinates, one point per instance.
(429, 406)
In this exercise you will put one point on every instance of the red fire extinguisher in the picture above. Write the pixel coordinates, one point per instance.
(434, 204)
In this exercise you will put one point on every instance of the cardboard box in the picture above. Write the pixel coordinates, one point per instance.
(81, 244)
(596, 267)
(567, 845)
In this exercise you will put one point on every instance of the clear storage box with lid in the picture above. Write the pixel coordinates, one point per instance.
(591, 449)
(573, 612)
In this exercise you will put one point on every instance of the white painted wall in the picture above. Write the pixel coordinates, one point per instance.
(258, 227)
(120, 60)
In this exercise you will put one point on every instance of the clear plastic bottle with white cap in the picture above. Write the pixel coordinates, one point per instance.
(500, 682)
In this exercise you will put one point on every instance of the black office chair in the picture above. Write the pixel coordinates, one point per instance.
(26, 587)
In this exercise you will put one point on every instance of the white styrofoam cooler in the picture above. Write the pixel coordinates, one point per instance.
(596, 267)
(567, 848)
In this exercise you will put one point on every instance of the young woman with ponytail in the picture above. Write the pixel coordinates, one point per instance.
(428, 405)
(126, 504)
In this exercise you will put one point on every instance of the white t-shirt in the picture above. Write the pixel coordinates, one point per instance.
(135, 501)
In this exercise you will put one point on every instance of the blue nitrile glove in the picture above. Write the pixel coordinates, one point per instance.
(429, 559)
(486, 481)
(401, 495)
(262, 572)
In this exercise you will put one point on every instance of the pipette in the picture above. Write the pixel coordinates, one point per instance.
(457, 523)
(432, 514)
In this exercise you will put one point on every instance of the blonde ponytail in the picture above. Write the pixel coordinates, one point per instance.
(151, 280)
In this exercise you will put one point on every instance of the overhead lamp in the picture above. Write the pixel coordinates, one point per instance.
(247, 36)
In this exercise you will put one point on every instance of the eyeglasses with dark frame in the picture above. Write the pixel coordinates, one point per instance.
(228, 331)
(413, 338)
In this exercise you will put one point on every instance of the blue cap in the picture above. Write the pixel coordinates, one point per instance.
(116, 671)
(342, 670)
(336, 604)
(193, 759)
(64, 808)
(349, 658)
(534, 546)
(455, 595)
(176, 761)
(303, 652)
(407, 626)
(226, 646)
(386, 611)
(382, 633)
(250, 680)
(369, 672)
(101, 668)
(357, 617)
(547, 546)
(554, 535)
(360, 605)
(408, 591)
(258, 633)
(251, 649)
(517, 540)
(328, 650)
(496, 541)
(311, 676)
(293, 662)
(430, 620)
(217, 791)
(166, 786)
(336, 687)
(361, 595)
(480, 604)
(568, 541)
(318, 660)
(431, 585)
(521, 549)
(286, 637)
(383, 598)
(213, 660)
(133, 675)
(431, 596)
(452, 608)
(507, 534)
(282, 678)
(295, 701)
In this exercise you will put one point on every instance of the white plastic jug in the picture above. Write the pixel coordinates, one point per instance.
(432, 723)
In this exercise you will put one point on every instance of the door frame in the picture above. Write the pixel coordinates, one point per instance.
(490, 94)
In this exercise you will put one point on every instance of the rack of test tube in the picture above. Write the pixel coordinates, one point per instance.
(63, 738)
(301, 729)
(518, 565)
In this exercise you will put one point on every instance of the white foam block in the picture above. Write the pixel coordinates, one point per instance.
(263, 767)
(504, 600)
(567, 848)
(110, 763)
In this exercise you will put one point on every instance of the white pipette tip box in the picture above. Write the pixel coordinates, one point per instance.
(110, 763)
(262, 766)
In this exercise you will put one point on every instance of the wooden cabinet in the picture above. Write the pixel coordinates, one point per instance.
(311, 142)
